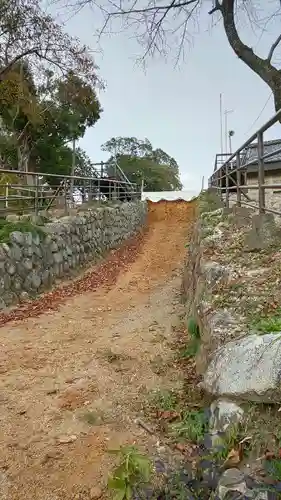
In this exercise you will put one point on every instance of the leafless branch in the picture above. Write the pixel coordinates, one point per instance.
(216, 8)
(273, 47)
(27, 33)
(157, 8)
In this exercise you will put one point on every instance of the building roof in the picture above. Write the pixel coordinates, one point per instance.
(169, 195)
(251, 153)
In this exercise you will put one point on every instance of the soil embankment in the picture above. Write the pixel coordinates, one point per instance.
(77, 363)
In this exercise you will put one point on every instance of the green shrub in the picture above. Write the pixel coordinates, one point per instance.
(164, 399)
(134, 470)
(192, 426)
(208, 201)
(268, 325)
(6, 228)
(193, 328)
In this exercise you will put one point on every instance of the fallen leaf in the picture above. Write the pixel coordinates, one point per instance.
(105, 273)
(180, 447)
(187, 449)
(269, 455)
(168, 415)
(233, 459)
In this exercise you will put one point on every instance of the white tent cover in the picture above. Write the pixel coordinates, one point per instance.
(169, 195)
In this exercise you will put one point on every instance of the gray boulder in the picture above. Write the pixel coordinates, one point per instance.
(232, 481)
(233, 486)
(223, 414)
(248, 368)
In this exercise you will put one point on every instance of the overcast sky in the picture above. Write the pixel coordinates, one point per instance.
(176, 109)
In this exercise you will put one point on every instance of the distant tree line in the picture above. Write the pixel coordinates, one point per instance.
(48, 98)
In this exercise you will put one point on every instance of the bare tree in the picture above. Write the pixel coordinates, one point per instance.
(27, 33)
(161, 26)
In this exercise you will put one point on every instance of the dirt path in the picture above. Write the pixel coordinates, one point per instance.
(72, 380)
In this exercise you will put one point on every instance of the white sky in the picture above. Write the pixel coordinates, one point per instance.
(177, 109)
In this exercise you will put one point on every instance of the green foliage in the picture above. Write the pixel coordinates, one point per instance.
(271, 324)
(273, 468)
(133, 470)
(193, 328)
(208, 201)
(139, 161)
(175, 487)
(192, 426)
(6, 228)
(227, 442)
(192, 347)
(164, 399)
(38, 122)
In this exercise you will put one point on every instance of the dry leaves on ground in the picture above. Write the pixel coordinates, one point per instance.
(104, 274)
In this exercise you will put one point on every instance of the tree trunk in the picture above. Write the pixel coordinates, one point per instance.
(276, 89)
(262, 67)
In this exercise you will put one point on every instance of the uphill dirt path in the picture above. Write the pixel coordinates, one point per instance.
(72, 379)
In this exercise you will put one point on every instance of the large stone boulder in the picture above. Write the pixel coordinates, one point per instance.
(248, 368)
(223, 414)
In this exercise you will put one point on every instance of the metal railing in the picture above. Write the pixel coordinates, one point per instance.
(231, 175)
(35, 191)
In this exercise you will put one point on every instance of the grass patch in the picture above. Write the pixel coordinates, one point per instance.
(261, 423)
(192, 427)
(91, 418)
(164, 399)
(273, 468)
(271, 324)
(228, 442)
(6, 228)
(193, 328)
(190, 349)
(208, 201)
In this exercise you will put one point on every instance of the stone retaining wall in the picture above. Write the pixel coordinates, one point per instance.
(31, 262)
(233, 297)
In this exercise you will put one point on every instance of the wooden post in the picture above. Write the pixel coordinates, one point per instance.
(238, 179)
(6, 195)
(65, 196)
(261, 174)
(36, 194)
(226, 185)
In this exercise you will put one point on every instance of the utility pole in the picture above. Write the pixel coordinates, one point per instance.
(221, 127)
(226, 113)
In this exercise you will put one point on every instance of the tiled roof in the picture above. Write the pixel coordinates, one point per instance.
(251, 152)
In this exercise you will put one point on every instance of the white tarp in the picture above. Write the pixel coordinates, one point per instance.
(169, 195)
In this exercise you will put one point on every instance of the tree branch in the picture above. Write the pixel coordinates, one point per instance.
(157, 8)
(273, 47)
(217, 7)
(4, 70)
(260, 66)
